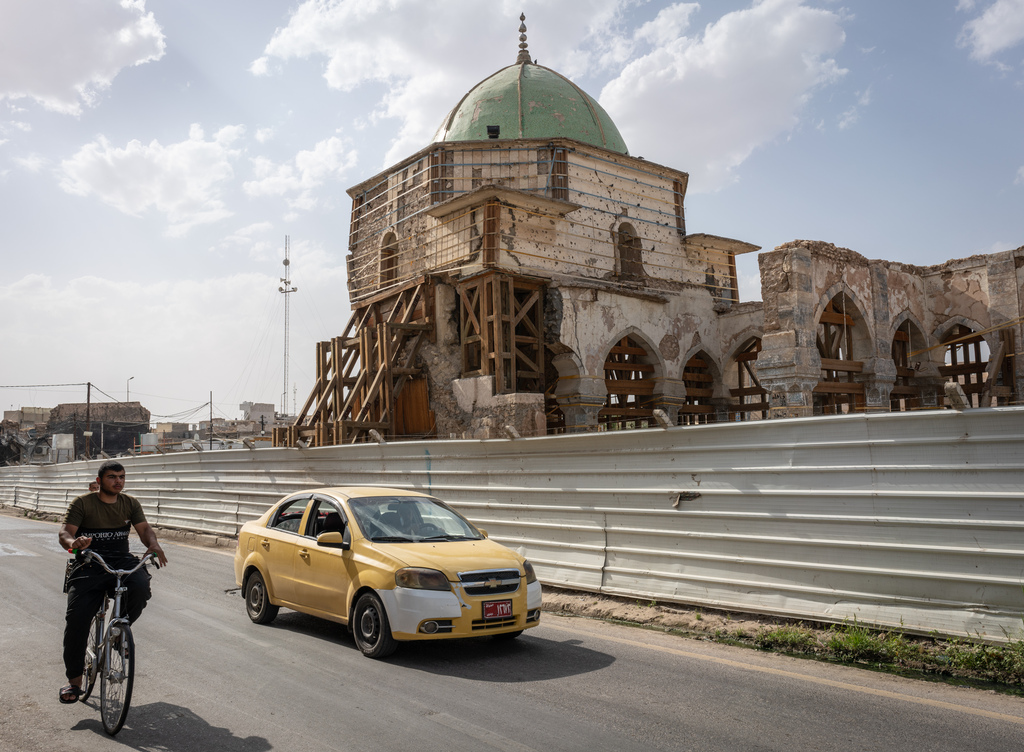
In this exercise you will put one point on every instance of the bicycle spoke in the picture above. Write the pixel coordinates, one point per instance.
(116, 678)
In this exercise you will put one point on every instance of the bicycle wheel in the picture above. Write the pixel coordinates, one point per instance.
(92, 656)
(116, 677)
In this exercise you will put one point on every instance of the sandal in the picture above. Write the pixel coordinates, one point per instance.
(69, 694)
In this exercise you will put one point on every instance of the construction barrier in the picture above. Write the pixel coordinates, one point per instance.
(906, 520)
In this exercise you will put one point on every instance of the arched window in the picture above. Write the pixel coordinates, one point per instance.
(629, 263)
(389, 259)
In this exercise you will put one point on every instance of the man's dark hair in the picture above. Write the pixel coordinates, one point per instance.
(110, 466)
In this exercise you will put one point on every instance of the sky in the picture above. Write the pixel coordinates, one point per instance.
(155, 155)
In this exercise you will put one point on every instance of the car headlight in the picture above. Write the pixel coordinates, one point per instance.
(421, 579)
(531, 576)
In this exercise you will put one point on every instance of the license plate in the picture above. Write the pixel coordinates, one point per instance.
(497, 609)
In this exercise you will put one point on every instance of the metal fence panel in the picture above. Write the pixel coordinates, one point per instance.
(910, 520)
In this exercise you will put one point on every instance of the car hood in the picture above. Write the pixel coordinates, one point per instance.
(452, 557)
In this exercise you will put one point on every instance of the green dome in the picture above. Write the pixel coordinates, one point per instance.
(526, 100)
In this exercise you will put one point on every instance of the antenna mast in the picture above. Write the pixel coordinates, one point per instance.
(285, 288)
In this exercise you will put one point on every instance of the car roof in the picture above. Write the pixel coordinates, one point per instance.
(348, 492)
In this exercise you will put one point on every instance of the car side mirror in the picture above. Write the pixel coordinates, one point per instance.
(482, 532)
(333, 539)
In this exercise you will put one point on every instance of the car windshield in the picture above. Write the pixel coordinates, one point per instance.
(410, 519)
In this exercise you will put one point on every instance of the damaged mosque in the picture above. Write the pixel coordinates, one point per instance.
(524, 274)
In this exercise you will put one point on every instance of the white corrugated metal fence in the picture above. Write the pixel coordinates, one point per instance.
(898, 519)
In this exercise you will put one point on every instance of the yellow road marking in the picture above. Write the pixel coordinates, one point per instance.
(801, 677)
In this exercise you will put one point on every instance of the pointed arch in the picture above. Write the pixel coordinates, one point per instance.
(908, 340)
(966, 359)
(751, 399)
(389, 259)
(700, 376)
(629, 261)
(843, 340)
(631, 368)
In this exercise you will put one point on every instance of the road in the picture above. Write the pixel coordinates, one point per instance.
(209, 679)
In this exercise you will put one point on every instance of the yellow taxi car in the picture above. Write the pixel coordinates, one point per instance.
(390, 564)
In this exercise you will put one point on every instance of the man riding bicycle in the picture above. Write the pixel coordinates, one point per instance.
(101, 521)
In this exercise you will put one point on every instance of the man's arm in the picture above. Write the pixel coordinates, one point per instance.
(68, 537)
(148, 536)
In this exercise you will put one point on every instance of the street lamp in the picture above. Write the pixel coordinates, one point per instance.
(127, 395)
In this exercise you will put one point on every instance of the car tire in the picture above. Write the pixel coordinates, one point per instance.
(505, 636)
(370, 627)
(257, 602)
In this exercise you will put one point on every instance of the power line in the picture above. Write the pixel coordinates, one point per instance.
(41, 386)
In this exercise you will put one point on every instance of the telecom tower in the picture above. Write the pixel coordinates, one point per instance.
(286, 287)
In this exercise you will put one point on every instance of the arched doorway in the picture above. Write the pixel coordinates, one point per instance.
(700, 388)
(837, 392)
(629, 378)
(906, 394)
(966, 361)
(751, 398)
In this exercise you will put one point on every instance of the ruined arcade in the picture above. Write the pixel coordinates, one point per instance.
(523, 274)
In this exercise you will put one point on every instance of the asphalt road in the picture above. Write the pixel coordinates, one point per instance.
(209, 679)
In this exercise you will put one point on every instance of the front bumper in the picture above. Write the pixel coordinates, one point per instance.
(433, 614)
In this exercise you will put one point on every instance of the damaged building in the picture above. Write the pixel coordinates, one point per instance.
(524, 274)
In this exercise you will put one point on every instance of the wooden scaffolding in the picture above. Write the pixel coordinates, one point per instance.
(501, 325)
(366, 379)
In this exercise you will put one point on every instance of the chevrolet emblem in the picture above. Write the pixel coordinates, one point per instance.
(492, 583)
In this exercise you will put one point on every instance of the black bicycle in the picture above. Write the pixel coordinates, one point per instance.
(110, 651)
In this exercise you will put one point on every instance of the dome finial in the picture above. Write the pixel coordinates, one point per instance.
(524, 54)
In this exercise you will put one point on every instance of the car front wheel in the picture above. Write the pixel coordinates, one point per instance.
(371, 629)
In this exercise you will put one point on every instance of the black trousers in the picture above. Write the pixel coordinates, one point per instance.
(86, 588)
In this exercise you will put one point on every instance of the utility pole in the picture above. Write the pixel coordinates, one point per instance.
(88, 420)
(211, 421)
(285, 288)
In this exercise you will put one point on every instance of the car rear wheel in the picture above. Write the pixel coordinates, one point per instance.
(257, 604)
(371, 629)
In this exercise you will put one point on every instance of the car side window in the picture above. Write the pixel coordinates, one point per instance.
(289, 516)
(323, 518)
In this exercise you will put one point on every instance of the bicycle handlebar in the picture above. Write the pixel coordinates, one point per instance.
(89, 554)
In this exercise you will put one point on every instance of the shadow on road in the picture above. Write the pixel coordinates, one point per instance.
(526, 659)
(162, 727)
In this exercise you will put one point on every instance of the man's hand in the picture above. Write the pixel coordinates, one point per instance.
(159, 554)
(81, 543)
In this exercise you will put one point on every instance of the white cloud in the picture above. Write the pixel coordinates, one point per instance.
(705, 102)
(63, 54)
(32, 163)
(999, 28)
(229, 324)
(330, 159)
(1020, 177)
(264, 134)
(429, 54)
(852, 115)
(183, 181)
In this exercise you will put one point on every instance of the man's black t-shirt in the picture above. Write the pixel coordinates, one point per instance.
(107, 524)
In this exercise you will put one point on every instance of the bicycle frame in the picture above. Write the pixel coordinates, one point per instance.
(113, 625)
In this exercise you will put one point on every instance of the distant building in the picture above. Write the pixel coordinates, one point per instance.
(115, 426)
(168, 431)
(260, 413)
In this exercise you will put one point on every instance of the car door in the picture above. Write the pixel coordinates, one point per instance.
(280, 542)
(323, 575)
